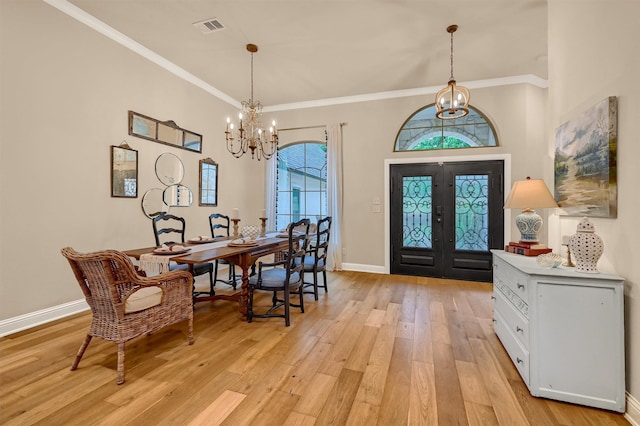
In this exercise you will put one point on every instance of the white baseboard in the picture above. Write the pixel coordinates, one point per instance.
(633, 410)
(23, 322)
(358, 267)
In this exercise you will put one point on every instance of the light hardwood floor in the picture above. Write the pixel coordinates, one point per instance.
(377, 349)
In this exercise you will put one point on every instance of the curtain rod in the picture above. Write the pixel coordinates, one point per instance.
(320, 126)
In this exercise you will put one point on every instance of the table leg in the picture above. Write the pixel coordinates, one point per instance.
(243, 301)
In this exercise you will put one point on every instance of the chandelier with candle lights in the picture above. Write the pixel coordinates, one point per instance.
(452, 101)
(250, 136)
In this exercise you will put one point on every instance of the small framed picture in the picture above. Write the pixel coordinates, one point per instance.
(124, 171)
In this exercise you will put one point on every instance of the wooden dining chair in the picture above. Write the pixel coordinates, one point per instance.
(169, 229)
(219, 225)
(315, 261)
(284, 276)
(124, 304)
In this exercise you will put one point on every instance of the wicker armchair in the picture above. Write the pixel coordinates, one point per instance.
(126, 305)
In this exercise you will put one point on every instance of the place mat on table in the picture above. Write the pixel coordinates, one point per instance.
(243, 242)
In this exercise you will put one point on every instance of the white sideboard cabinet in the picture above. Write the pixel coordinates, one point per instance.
(563, 330)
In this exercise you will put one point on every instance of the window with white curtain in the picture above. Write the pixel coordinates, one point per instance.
(301, 182)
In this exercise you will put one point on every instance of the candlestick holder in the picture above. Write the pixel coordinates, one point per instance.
(263, 227)
(235, 227)
(568, 262)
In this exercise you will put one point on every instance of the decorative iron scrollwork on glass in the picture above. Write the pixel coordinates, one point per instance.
(417, 211)
(472, 212)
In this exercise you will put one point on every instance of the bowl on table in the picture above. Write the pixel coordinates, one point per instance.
(549, 260)
(250, 231)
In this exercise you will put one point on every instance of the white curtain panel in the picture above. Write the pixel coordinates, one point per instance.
(334, 195)
(270, 200)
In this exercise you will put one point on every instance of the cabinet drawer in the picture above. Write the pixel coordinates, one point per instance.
(515, 280)
(518, 324)
(518, 354)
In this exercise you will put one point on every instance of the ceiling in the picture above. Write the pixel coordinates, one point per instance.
(311, 50)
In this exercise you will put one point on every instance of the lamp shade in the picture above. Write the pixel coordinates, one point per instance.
(529, 194)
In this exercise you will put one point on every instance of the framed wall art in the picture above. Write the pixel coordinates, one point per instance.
(124, 171)
(585, 167)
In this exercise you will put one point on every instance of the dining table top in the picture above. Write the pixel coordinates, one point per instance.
(205, 253)
(243, 256)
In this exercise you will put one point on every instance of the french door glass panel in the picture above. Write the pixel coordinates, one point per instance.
(417, 204)
(472, 212)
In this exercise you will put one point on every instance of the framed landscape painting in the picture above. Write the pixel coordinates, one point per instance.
(585, 162)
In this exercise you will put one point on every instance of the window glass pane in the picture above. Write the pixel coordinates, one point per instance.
(472, 212)
(423, 131)
(416, 211)
(301, 183)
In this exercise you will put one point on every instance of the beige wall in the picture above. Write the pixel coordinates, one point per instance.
(591, 58)
(65, 93)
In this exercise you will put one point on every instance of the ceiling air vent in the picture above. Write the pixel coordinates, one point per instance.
(209, 25)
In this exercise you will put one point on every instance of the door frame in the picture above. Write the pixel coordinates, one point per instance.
(440, 160)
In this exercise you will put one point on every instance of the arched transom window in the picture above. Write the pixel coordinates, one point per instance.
(422, 131)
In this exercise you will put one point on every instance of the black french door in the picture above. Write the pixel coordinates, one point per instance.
(445, 218)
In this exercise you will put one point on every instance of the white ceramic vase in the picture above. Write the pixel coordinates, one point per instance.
(586, 247)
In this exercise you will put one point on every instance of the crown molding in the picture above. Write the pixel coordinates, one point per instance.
(431, 90)
(99, 26)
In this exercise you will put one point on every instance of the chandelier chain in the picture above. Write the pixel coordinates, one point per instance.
(452, 78)
(251, 77)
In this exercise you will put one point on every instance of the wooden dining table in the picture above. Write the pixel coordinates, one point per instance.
(244, 257)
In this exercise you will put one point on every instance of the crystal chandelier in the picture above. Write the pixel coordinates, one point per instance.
(452, 101)
(250, 135)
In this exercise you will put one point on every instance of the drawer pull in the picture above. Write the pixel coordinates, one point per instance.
(518, 329)
(520, 286)
(518, 360)
(493, 297)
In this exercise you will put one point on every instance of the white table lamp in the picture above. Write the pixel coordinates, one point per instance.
(527, 195)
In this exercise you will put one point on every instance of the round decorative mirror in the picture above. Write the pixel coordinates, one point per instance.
(169, 169)
(177, 196)
(152, 203)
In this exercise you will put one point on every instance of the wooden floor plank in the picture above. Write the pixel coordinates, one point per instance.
(423, 409)
(338, 406)
(450, 402)
(394, 407)
(219, 409)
